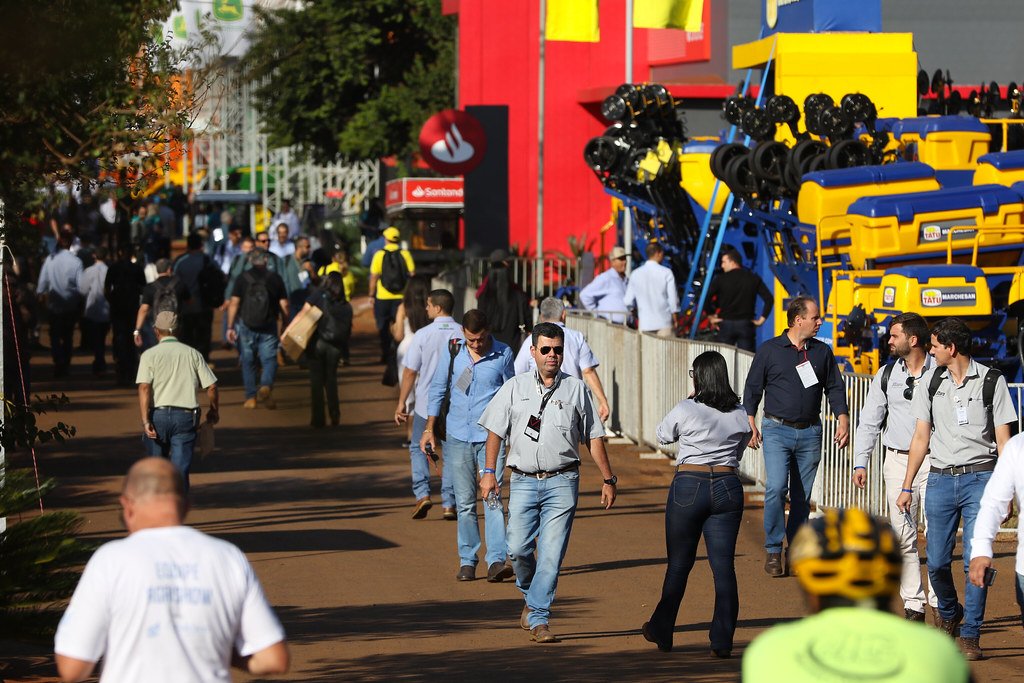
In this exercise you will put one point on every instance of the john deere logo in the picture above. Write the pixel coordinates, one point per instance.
(228, 10)
(889, 296)
(932, 233)
(931, 297)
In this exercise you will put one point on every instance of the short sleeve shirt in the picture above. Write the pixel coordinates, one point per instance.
(429, 345)
(954, 444)
(577, 355)
(377, 268)
(275, 289)
(175, 371)
(569, 418)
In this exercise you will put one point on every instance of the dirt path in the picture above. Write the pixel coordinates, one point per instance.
(367, 594)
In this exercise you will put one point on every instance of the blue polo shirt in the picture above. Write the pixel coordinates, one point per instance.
(488, 375)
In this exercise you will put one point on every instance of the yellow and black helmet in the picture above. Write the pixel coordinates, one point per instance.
(847, 553)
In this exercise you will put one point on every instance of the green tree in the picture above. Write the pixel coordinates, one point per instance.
(82, 82)
(353, 80)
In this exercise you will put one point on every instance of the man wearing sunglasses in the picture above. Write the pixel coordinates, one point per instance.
(543, 416)
(886, 411)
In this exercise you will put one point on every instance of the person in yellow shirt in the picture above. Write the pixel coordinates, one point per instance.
(339, 264)
(388, 276)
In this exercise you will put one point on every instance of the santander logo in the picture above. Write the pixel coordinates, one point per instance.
(418, 192)
(452, 142)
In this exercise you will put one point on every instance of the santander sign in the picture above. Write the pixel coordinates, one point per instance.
(452, 142)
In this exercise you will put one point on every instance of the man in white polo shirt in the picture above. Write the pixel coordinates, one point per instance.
(652, 292)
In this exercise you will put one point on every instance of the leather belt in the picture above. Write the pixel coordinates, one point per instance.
(791, 423)
(965, 469)
(896, 450)
(545, 475)
(187, 410)
(712, 469)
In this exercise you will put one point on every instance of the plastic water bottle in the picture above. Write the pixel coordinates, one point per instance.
(493, 501)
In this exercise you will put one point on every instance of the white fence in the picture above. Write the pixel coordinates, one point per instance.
(645, 376)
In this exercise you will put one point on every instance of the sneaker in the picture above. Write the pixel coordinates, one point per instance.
(422, 505)
(250, 403)
(263, 396)
(450, 514)
(542, 634)
(913, 615)
(498, 572)
(971, 649)
(949, 627)
(773, 565)
(467, 572)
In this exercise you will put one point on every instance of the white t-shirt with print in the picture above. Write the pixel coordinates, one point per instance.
(167, 604)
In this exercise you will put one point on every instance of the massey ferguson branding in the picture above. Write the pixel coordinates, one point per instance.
(937, 231)
(948, 297)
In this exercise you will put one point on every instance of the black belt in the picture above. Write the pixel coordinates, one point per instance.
(791, 423)
(187, 410)
(545, 475)
(897, 450)
(965, 469)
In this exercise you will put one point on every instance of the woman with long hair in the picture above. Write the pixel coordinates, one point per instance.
(411, 316)
(705, 498)
(506, 307)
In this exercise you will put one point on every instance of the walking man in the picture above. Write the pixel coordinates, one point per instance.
(479, 369)
(58, 284)
(195, 316)
(169, 374)
(390, 270)
(543, 416)
(886, 410)
(578, 359)
(167, 603)
(258, 301)
(736, 291)
(652, 292)
(606, 293)
(428, 351)
(123, 289)
(166, 293)
(96, 316)
(963, 418)
(791, 371)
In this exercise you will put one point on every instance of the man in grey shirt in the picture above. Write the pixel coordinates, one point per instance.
(543, 416)
(965, 437)
(887, 411)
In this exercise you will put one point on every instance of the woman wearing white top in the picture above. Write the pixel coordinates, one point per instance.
(411, 316)
(706, 498)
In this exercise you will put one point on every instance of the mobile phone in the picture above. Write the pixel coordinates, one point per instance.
(430, 452)
(990, 576)
(909, 519)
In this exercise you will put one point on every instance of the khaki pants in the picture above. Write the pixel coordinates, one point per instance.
(893, 471)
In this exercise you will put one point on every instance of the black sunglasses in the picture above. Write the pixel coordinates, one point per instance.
(545, 350)
(908, 393)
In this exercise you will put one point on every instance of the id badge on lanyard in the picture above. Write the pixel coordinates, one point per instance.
(806, 372)
(961, 411)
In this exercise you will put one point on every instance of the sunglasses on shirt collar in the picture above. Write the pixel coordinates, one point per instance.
(908, 393)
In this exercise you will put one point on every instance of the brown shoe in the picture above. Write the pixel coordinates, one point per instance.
(250, 403)
(422, 505)
(498, 572)
(450, 514)
(971, 649)
(913, 615)
(263, 396)
(467, 572)
(949, 626)
(773, 565)
(524, 618)
(542, 634)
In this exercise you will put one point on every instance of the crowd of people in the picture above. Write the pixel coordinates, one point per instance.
(493, 400)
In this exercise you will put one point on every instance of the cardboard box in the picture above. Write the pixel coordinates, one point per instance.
(302, 328)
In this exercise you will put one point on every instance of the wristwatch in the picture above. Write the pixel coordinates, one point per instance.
(613, 481)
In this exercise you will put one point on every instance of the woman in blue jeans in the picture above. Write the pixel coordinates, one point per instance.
(706, 497)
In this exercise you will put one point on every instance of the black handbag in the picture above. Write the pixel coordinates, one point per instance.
(440, 426)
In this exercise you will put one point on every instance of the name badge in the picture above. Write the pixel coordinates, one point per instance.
(533, 427)
(961, 412)
(807, 375)
(465, 379)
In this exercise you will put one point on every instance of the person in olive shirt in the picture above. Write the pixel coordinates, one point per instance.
(736, 290)
(791, 371)
(169, 374)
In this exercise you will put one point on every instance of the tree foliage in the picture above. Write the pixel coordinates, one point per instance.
(82, 82)
(353, 80)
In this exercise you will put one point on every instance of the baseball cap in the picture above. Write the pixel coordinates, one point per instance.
(392, 234)
(166, 320)
(617, 253)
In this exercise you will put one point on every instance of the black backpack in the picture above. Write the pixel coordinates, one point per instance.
(211, 284)
(256, 304)
(335, 325)
(165, 298)
(394, 271)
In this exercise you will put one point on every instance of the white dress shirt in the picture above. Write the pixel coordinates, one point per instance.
(652, 289)
(1006, 483)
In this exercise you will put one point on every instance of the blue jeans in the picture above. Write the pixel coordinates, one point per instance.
(1019, 588)
(712, 505)
(175, 438)
(253, 345)
(421, 466)
(540, 514)
(464, 462)
(948, 499)
(791, 458)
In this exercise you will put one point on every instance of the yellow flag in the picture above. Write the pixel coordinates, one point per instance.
(572, 20)
(684, 14)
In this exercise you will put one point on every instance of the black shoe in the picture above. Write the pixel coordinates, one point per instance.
(466, 573)
(913, 615)
(498, 571)
(664, 646)
(773, 565)
(722, 652)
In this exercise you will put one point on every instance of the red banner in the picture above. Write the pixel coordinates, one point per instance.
(423, 193)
